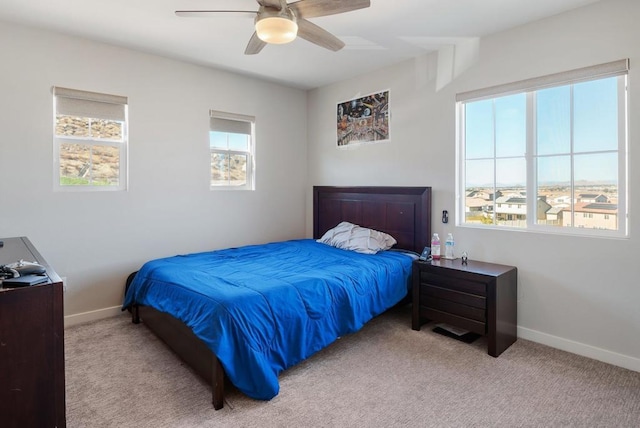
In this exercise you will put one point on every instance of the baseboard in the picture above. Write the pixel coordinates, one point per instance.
(578, 348)
(84, 317)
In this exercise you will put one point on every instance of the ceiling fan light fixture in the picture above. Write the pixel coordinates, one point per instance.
(277, 29)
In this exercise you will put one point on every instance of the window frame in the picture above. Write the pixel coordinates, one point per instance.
(250, 153)
(123, 144)
(530, 87)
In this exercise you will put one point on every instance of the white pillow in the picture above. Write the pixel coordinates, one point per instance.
(349, 236)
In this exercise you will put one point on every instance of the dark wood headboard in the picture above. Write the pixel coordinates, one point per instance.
(402, 212)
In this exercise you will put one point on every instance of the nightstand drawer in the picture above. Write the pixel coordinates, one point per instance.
(454, 308)
(454, 283)
(431, 291)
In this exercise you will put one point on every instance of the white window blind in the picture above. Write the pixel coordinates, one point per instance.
(229, 122)
(73, 102)
(231, 126)
(610, 69)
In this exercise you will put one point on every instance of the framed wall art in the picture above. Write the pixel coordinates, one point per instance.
(363, 120)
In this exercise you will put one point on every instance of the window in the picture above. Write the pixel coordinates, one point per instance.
(90, 140)
(231, 142)
(547, 153)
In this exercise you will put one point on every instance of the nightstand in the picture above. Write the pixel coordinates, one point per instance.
(478, 297)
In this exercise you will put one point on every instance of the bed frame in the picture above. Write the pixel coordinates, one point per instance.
(403, 212)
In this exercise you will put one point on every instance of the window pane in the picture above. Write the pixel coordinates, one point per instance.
(554, 172)
(106, 165)
(553, 115)
(479, 129)
(218, 140)
(597, 171)
(596, 195)
(511, 173)
(596, 115)
(219, 169)
(511, 125)
(479, 191)
(75, 164)
(511, 206)
(479, 174)
(238, 170)
(83, 164)
(71, 126)
(554, 191)
(229, 141)
(596, 191)
(106, 129)
(238, 142)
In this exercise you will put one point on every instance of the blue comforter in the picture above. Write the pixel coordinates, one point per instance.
(264, 308)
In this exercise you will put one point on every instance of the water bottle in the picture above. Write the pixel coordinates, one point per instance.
(435, 247)
(448, 247)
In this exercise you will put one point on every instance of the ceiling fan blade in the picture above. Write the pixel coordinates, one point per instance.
(255, 45)
(209, 13)
(314, 34)
(314, 8)
(274, 4)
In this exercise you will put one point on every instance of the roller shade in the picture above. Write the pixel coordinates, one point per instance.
(610, 69)
(73, 102)
(231, 123)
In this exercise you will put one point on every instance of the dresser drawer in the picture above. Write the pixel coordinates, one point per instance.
(453, 283)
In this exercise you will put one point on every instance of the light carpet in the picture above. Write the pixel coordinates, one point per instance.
(120, 375)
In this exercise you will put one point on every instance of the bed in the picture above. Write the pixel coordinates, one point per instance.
(246, 314)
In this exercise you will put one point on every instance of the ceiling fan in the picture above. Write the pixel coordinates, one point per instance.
(278, 22)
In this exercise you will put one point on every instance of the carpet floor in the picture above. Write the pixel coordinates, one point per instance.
(120, 375)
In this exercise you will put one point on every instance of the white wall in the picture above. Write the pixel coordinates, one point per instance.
(575, 293)
(95, 239)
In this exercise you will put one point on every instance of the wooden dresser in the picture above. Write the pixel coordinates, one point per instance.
(32, 390)
(478, 297)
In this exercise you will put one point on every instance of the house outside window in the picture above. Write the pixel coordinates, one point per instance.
(90, 138)
(556, 144)
(232, 148)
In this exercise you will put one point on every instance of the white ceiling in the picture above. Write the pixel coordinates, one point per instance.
(388, 32)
